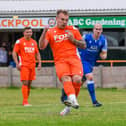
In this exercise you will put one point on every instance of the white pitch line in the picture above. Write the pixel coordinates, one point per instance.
(116, 103)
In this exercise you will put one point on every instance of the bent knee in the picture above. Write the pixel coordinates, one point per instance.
(25, 82)
(77, 79)
(66, 78)
(89, 77)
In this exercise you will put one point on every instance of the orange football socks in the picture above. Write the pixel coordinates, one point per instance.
(29, 91)
(77, 87)
(68, 88)
(25, 93)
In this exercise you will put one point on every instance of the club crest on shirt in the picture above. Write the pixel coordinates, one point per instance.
(90, 42)
(100, 43)
(32, 44)
(67, 30)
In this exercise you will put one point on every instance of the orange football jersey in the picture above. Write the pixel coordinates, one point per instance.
(26, 50)
(61, 46)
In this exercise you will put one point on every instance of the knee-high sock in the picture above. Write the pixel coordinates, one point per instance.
(77, 87)
(25, 93)
(29, 91)
(68, 88)
(91, 90)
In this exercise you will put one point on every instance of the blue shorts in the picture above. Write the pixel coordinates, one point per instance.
(87, 67)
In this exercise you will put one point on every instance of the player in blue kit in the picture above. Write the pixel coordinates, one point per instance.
(96, 48)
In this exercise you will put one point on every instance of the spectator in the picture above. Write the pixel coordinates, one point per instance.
(10, 59)
(3, 55)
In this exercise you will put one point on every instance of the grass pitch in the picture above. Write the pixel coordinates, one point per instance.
(46, 107)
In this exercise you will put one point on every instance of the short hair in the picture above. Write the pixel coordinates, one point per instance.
(65, 12)
(27, 28)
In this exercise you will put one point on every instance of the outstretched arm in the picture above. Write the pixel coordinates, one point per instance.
(42, 41)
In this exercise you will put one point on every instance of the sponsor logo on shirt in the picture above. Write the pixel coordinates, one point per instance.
(60, 38)
(29, 49)
(93, 48)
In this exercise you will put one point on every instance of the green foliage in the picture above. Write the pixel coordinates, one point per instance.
(46, 107)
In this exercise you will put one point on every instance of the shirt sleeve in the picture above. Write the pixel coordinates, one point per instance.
(105, 46)
(16, 46)
(77, 34)
(84, 37)
(47, 37)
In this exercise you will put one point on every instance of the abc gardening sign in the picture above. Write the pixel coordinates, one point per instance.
(81, 22)
(107, 22)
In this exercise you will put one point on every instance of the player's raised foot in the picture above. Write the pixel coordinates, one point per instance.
(72, 101)
(75, 104)
(26, 104)
(67, 102)
(97, 104)
(65, 111)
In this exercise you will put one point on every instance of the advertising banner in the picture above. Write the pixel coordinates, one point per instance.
(19, 23)
(107, 22)
(81, 22)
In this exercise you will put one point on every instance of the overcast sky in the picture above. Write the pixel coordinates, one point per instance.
(57, 4)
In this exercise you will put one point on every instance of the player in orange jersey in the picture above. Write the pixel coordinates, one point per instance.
(63, 40)
(26, 48)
